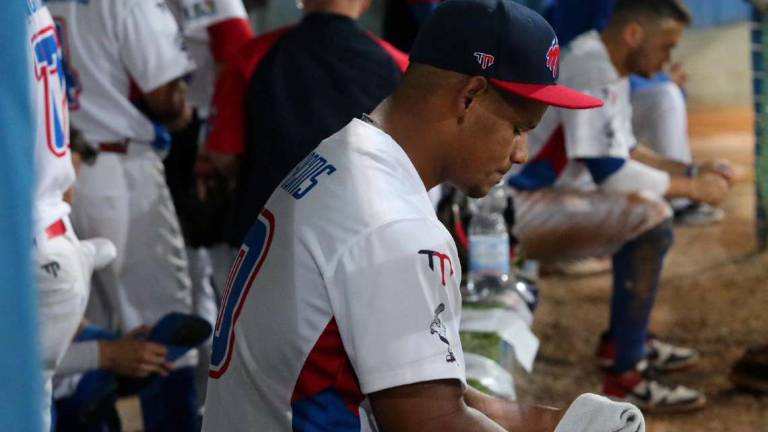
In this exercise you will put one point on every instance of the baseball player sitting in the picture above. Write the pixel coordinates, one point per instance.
(334, 318)
(659, 112)
(582, 194)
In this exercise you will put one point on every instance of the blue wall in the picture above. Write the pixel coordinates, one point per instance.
(715, 12)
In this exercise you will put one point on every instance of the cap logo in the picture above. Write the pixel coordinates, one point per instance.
(485, 60)
(553, 57)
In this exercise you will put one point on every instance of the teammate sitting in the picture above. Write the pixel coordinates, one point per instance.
(582, 195)
(333, 311)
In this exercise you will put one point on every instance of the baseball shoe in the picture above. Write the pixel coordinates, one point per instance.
(661, 356)
(699, 215)
(751, 371)
(641, 388)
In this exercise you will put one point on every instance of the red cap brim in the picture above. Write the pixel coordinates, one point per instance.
(555, 95)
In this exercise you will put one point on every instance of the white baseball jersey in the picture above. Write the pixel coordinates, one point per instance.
(346, 285)
(112, 46)
(564, 136)
(194, 17)
(55, 173)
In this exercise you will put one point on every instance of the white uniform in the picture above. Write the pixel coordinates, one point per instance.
(112, 47)
(62, 266)
(556, 198)
(346, 285)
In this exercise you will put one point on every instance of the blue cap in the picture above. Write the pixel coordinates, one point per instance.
(509, 44)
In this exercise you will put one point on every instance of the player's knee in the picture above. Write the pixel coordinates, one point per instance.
(660, 237)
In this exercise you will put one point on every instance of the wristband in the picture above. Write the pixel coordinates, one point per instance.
(692, 170)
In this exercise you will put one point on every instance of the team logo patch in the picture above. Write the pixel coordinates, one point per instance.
(485, 60)
(436, 327)
(432, 255)
(553, 58)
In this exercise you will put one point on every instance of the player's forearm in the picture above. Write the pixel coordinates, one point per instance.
(512, 416)
(648, 157)
(168, 105)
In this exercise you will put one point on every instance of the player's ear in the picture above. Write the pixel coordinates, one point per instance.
(472, 88)
(634, 33)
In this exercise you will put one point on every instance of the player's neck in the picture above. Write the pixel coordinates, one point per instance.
(400, 121)
(617, 51)
(348, 9)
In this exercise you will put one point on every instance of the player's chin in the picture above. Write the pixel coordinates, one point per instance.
(481, 189)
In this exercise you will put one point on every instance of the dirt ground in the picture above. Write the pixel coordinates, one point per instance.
(713, 296)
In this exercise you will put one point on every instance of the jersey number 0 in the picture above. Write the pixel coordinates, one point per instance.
(244, 271)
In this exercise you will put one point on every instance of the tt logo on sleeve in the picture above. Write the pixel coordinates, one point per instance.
(438, 328)
(431, 255)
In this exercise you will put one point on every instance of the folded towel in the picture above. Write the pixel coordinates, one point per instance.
(593, 413)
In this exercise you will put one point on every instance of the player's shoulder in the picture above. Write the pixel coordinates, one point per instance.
(586, 64)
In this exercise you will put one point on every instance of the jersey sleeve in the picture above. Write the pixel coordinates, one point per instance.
(199, 14)
(227, 121)
(396, 301)
(151, 46)
(601, 132)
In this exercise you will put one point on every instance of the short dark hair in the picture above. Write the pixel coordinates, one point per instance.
(626, 10)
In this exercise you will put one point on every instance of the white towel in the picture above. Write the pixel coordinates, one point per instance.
(593, 413)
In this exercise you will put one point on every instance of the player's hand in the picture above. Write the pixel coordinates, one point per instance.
(721, 167)
(134, 358)
(709, 188)
(678, 74)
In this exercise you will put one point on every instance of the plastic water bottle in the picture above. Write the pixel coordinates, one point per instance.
(489, 266)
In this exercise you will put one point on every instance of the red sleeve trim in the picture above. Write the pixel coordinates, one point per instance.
(227, 122)
(400, 58)
(228, 36)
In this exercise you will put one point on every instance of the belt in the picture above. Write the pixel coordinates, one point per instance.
(114, 147)
(56, 229)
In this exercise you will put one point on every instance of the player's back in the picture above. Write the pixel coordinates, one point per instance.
(282, 365)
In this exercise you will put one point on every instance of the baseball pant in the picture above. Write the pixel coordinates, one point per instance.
(62, 269)
(124, 197)
(556, 224)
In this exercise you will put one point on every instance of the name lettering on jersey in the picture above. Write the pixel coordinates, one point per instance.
(306, 175)
(52, 268)
(436, 327)
(431, 255)
(49, 72)
(244, 271)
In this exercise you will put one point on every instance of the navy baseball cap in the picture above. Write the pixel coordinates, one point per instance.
(509, 44)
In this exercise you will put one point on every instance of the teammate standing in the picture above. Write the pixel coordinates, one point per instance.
(126, 66)
(62, 264)
(343, 300)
